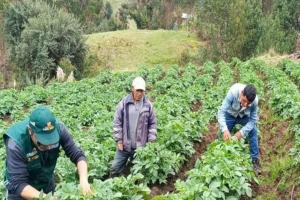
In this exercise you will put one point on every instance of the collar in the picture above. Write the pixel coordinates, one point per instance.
(130, 99)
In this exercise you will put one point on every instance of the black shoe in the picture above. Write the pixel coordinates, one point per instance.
(256, 167)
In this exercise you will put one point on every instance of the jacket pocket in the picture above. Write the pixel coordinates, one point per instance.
(34, 165)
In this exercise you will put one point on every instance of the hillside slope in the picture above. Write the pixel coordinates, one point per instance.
(126, 50)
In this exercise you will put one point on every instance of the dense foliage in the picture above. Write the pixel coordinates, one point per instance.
(39, 37)
(155, 14)
(94, 15)
(243, 28)
(224, 172)
(292, 69)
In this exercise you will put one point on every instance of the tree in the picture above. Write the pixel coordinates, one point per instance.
(232, 28)
(155, 14)
(219, 21)
(122, 16)
(285, 16)
(108, 10)
(94, 15)
(40, 36)
(253, 27)
(280, 27)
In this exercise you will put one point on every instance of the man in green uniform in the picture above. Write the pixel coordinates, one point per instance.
(32, 148)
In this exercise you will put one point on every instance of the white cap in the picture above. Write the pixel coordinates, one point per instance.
(138, 83)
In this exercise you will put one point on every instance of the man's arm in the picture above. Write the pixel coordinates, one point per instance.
(83, 177)
(72, 151)
(252, 121)
(17, 172)
(118, 123)
(76, 156)
(226, 104)
(30, 192)
(152, 125)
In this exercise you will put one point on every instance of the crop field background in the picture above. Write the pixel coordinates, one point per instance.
(186, 100)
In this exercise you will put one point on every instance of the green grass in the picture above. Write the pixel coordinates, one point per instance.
(272, 58)
(279, 178)
(129, 49)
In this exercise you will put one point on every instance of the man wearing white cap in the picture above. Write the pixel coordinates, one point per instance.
(134, 125)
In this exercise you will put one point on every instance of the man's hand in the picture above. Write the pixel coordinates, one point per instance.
(226, 135)
(120, 146)
(83, 177)
(238, 135)
(85, 188)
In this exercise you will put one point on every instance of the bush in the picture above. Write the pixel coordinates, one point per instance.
(232, 29)
(92, 14)
(274, 36)
(39, 37)
(156, 163)
(240, 29)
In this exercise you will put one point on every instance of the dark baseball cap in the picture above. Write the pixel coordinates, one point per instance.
(44, 124)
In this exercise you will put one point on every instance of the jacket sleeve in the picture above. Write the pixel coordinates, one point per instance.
(118, 123)
(16, 167)
(222, 110)
(152, 125)
(72, 151)
(252, 121)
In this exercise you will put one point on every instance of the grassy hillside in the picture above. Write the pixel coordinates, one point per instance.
(126, 50)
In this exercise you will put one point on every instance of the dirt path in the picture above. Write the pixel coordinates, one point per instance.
(200, 148)
(278, 179)
(275, 143)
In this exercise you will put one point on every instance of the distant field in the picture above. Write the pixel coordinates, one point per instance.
(127, 50)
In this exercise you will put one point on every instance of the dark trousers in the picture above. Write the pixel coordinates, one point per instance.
(120, 161)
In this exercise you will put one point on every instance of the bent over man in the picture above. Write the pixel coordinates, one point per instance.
(240, 106)
(32, 149)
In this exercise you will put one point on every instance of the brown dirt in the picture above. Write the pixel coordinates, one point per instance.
(298, 42)
(295, 190)
(196, 106)
(200, 147)
(6, 118)
(275, 142)
(296, 54)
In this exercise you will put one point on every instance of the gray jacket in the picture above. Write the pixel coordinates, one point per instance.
(146, 125)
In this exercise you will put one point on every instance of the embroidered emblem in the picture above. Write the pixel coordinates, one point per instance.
(48, 127)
